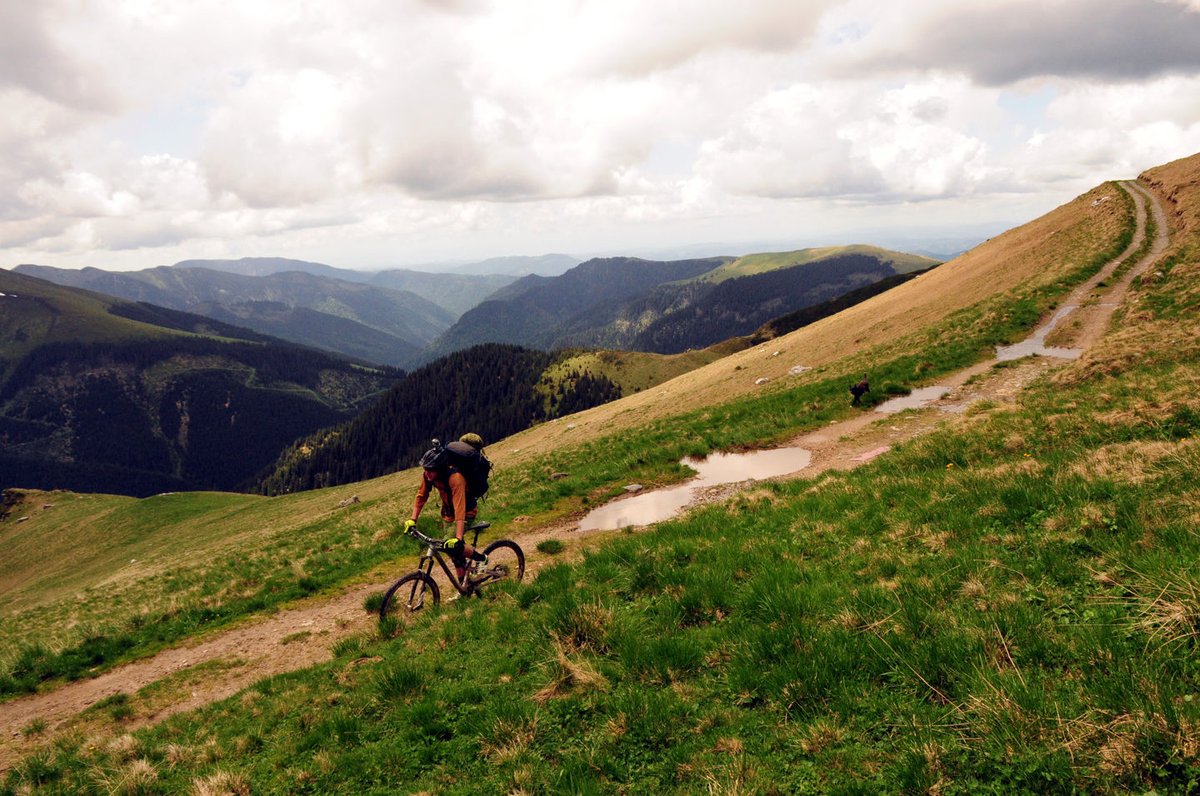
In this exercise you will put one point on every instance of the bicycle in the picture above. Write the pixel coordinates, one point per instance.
(506, 561)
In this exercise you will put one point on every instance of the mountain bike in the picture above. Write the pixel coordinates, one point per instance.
(506, 561)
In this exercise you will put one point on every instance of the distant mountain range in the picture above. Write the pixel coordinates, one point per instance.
(531, 311)
(406, 318)
(454, 292)
(672, 306)
(106, 395)
(369, 322)
(386, 317)
(543, 265)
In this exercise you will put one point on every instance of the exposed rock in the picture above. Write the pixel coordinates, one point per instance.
(350, 501)
(798, 369)
(633, 487)
(761, 380)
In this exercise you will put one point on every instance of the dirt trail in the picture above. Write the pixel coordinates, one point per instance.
(217, 667)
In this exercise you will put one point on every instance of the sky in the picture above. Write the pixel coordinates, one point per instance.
(373, 134)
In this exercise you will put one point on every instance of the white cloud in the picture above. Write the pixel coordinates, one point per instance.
(384, 128)
(860, 144)
(1001, 43)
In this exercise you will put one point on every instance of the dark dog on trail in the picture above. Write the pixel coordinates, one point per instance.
(858, 390)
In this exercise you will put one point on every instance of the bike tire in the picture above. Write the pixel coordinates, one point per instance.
(508, 555)
(409, 594)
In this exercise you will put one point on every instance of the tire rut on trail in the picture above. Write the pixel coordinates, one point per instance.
(213, 668)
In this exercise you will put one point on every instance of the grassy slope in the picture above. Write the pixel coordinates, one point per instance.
(762, 263)
(60, 314)
(996, 606)
(715, 407)
(633, 371)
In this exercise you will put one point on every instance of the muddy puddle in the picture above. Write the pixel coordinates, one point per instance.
(914, 400)
(719, 468)
(1035, 344)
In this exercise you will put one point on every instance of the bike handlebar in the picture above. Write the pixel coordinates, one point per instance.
(437, 544)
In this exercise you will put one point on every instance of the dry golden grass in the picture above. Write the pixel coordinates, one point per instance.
(1128, 463)
(221, 784)
(569, 675)
(1178, 182)
(513, 738)
(820, 736)
(1037, 253)
(137, 776)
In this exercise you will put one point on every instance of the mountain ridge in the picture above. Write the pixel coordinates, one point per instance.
(99, 393)
(401, 315)
(669, 309)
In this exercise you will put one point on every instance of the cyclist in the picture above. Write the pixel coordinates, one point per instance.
(445, 470)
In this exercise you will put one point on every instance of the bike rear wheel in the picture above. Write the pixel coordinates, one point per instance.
(408, 595)
(506, 561)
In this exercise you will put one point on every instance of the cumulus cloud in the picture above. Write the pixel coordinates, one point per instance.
(632, 37)
(818, 141)
(36, 61)
(1003, 43)
(1124, 128)
(233, 127)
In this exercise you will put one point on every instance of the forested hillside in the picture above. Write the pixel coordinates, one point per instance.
(698, 314)
(529, 311)
(777, 327)
(494, 390)
(100, 395)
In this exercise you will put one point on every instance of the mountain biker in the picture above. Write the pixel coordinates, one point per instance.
(458, 504)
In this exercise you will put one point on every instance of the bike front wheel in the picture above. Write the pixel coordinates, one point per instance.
(408, 595)
(506, 561)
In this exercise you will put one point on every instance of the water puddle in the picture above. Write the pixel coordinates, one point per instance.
(1030, 348)
(719, 468)
(1035, 344)
(914, 400)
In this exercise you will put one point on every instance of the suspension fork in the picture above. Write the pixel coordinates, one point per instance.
(426, 563)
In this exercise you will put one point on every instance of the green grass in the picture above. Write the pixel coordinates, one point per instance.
(1018, 622)
(632, 371)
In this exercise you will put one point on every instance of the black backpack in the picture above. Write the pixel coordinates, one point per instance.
(474, 466)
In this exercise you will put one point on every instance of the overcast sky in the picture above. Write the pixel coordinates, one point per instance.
(371, 134)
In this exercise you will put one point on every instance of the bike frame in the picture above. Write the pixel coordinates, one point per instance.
(434, 553)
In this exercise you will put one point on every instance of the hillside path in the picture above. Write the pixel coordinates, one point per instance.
(216, 667)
